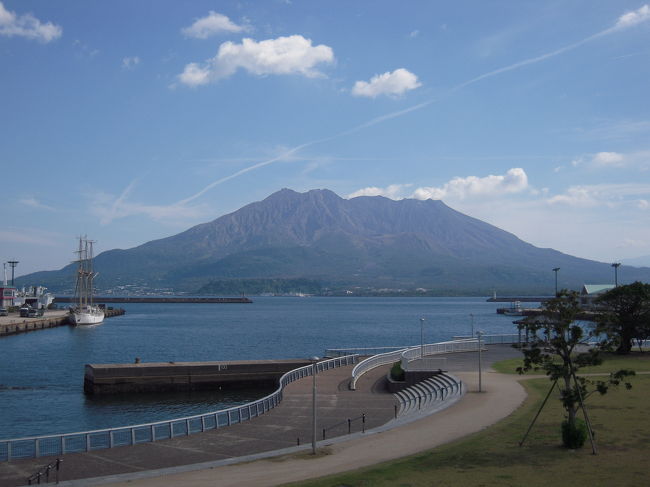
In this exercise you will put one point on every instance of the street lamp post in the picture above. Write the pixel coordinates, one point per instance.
(555, 270)
(12, 264)
(471, 315)
(479, 334)
(314, 369)
(421, 337)
(616, 265)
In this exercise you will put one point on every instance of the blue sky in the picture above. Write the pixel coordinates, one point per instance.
(130, 121)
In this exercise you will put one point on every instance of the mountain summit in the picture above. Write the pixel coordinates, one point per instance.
(370, 243)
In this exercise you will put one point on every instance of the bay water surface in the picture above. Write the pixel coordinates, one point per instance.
(41, 372)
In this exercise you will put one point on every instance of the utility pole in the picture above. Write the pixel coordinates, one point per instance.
(314, 369)
(13, 264)
(479, 334)
(555, 270)
(616, 265)
(421, 337)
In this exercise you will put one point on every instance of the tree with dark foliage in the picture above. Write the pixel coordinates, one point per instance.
(625, 316)
(556, 345)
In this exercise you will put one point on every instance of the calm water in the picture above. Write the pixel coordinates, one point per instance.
(41, 373)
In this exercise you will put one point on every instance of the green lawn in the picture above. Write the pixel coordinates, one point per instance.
(639, 362)
(621, 420)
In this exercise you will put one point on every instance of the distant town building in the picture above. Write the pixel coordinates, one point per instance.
(592, 291)
(34, 296)
(7, 296)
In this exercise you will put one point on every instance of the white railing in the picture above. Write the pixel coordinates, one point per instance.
(340, 352)
(84, 441)
(498, 339)
(411, 353)
(372, 363)
(415, 353)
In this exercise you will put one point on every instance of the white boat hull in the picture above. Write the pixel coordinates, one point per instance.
(88, 316)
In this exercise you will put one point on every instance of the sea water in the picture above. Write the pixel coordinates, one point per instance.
(41, 372)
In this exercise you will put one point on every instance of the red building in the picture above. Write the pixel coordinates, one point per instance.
(7, 295)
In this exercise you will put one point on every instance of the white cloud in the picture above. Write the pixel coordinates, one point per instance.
(130, 62)
(414, 34)
(514, 181)
(393, 191)
(608, 159)
(576, 196)
(643, 204)
(34, 203)
(639, 160)
(109, 208)
(212, 24)
(610, 195)
(284, 55)
(629, 19)
(195, 75)
(27, 26)
(392, 84)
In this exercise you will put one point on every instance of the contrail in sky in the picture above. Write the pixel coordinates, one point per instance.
(624, 21)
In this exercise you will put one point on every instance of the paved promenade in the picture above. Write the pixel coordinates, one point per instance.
(279, 428)
(177, 459)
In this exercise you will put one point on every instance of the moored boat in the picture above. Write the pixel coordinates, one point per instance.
(85, 312)
(515, 310)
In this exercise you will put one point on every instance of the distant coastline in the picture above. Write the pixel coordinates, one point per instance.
(152, 299)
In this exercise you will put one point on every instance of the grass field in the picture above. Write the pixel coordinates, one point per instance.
(493, 457)
(639, 362)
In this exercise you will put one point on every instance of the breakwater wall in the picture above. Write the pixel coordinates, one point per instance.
(185, 376)
(14, 325)
(148, 299)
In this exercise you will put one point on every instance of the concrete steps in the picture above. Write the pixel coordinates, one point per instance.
(428, 395)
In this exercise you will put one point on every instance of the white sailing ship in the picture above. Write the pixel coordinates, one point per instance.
(85, 312)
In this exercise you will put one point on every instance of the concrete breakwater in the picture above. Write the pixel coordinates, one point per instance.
(185, 376)
(149, 299)
(11, 325)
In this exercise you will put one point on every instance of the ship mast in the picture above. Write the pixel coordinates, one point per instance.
(91, 274)
(85, 273)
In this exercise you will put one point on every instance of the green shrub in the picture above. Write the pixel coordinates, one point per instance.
(574, 436)
(396, 372)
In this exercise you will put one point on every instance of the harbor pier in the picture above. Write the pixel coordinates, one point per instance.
(185, 376)
(14, 324)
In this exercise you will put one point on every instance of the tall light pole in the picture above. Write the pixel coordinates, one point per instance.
(421, 337)
(616, 265)
(479, 334)
(555, 269)
(471, 315)
(314, 369)
(13, 264)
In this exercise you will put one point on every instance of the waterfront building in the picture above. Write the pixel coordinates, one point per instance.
(34, 296)
(7, 296)
(590, 292)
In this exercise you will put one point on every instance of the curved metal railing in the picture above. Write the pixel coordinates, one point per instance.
(38, 446)
(415, 353)
(372, 363)
(498, 339)
(341, 352)
(405, 355)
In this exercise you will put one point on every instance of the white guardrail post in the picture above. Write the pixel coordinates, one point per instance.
(34, 446)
